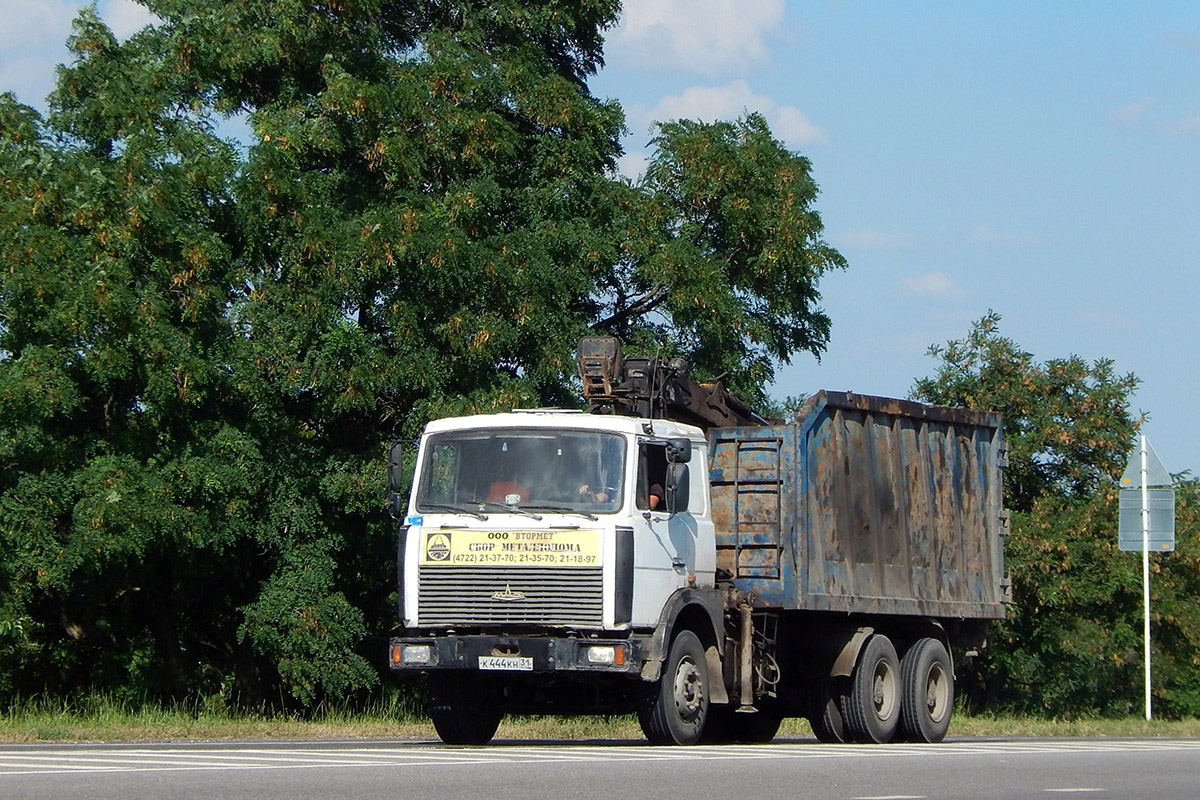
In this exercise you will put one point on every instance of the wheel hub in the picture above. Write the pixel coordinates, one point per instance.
(937, 693)
(884, 690)
(688, 690)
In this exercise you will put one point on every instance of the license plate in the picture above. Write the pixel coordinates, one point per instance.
(518, 663)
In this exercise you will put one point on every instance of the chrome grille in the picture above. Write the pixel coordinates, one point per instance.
(565, 596)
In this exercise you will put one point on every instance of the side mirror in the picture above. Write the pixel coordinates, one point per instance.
(679, 451)
(396, 471)
(677, 489)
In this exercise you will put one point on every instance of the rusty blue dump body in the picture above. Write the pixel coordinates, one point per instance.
(865, 505)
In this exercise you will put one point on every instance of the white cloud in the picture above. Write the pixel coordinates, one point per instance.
(30, 79)
(732, 100)
(30, 26)
(935, 284)
(994, 237)
(872, 239)
(1127, 115)
(633, 164)
(33, 35)
(791, 125)
(126, 17)
(710, 37)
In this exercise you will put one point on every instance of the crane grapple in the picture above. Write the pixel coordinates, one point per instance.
(652, 387)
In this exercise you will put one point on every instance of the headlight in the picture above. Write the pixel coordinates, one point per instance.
(416, 654)
(602, 654)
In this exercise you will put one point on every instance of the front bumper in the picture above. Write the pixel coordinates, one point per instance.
(517, 654)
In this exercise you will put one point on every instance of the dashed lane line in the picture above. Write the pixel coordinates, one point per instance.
(1074, 789)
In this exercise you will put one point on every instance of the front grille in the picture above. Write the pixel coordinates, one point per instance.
(559, 596)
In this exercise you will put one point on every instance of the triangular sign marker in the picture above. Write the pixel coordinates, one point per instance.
(1156, 473)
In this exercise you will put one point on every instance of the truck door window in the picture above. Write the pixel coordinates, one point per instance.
(652, 476)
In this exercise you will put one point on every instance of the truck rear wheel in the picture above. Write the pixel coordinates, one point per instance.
(824, 713)
(462, 712)
(675, 708)
(726, 726)
(872, 707)
(928, 692)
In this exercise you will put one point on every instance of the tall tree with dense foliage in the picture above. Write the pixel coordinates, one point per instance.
(206, 344)
(1072, 642)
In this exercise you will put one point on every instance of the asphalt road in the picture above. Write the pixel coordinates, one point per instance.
(1153, 769)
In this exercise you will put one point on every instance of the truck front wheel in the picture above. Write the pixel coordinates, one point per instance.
(461, 710)
(675, 708)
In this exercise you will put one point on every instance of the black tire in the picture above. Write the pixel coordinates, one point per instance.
(927, 692)
(675, 708)
(872, 706)
(717, 725)
(757, 728)
(726, 726)
(825, 713)
(460, 709)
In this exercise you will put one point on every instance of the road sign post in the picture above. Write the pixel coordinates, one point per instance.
(1146, 574)
(1156, 521)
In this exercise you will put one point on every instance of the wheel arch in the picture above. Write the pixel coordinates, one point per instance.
(918, 629)
(903, 635)
(702, 613)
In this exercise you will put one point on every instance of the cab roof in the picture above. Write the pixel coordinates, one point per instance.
(568, 419)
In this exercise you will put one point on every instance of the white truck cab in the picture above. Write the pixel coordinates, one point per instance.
(554, 519)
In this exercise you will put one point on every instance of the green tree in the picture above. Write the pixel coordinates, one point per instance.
(1067, 423)
(205, 345)
(125, 474)
(724, 254)
(1175, 614)
(1071, 644)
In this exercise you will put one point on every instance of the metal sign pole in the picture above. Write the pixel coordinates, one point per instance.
(1146, 573)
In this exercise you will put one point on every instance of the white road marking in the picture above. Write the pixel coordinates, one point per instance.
(893, 797)
(75, 759)
(1075, 789)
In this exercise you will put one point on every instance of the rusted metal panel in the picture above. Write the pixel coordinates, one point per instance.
(865, 505)
(751, 483)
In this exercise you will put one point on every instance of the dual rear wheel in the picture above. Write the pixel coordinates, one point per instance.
(928, 692)
(886, 697)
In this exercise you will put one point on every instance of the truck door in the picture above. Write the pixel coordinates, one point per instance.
(665, 542)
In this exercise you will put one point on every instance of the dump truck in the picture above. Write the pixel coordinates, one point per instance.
(669, 552)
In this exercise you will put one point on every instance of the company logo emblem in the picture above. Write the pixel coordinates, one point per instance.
(437, 547)
(508, 594)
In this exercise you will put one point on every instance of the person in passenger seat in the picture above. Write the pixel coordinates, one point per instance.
(655, 498)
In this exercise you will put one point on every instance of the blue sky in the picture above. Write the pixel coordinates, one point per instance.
(1038, 159)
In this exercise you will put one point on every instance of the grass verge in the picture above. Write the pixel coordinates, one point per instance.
(101, 720)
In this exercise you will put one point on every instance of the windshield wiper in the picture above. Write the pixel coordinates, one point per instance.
(454, 509)
(507, 507)
(564, 510)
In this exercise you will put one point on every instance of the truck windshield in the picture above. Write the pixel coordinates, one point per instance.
(550, 470)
